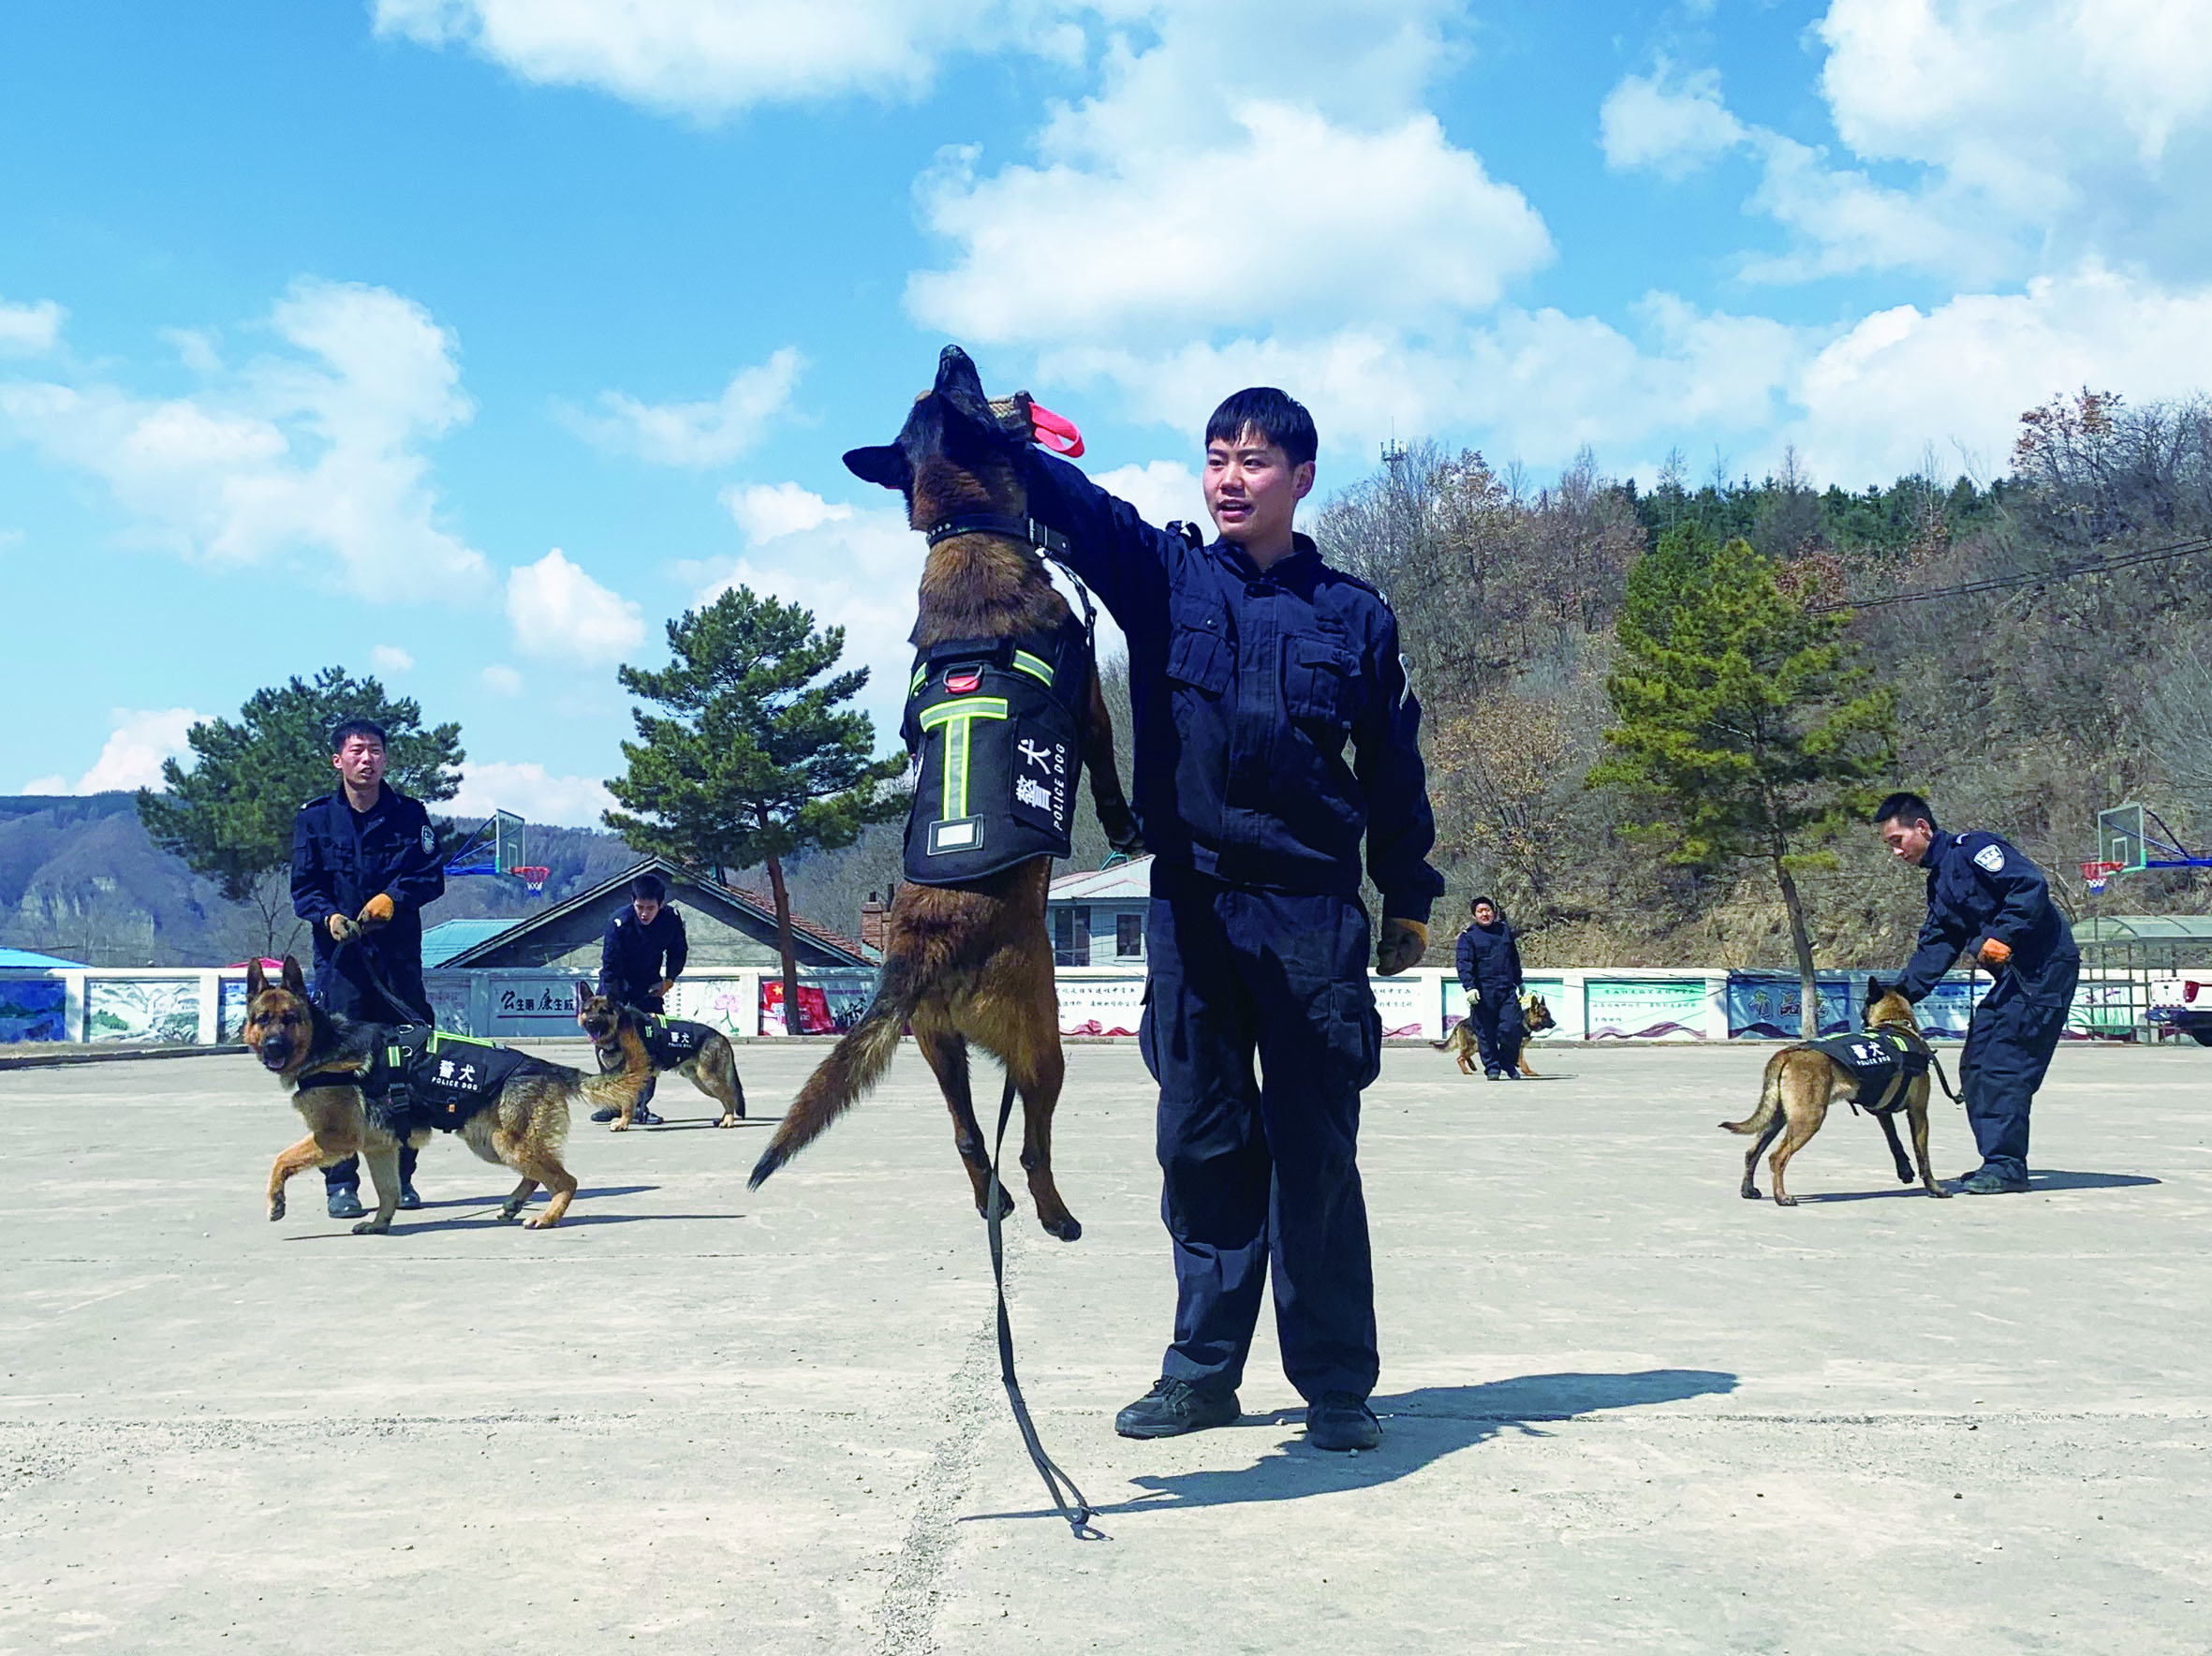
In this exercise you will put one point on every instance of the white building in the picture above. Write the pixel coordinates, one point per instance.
(1098, 919)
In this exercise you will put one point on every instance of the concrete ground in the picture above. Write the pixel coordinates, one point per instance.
(1623, 1408)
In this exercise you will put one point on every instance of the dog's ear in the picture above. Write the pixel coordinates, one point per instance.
(1876, 989)
(295, 980)
(257, 980)
(885, 466)
(583, 997)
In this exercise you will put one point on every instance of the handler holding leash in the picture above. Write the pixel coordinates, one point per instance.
(1489, 966)
(641, 958)
(364, 861)
(1980, 886)
(1274, 724)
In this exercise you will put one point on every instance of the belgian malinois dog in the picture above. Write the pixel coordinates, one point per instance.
(699, 1052)
(1803, 1081)
(1536, 1014)
(522, 1126)
(971, 962)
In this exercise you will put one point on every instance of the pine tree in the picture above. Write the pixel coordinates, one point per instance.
(1744, 723)
(754, 760)
(231, 815)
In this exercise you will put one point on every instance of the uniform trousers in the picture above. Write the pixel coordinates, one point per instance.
(2009, 1045)
(1260, 1170)
(1500, 1030)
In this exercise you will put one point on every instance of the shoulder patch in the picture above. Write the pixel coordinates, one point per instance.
(1991, 857)
(429, 839)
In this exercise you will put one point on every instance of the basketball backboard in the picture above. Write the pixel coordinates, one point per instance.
(2119, 837)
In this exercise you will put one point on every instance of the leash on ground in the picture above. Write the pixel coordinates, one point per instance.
(1074, 1504)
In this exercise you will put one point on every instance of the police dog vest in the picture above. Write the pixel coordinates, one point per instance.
(1884, 1062)
(421, 1077)
(669, 1043)
(994, 723)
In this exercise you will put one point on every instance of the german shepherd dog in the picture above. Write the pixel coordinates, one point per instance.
(1803, 1081)
(711, 1066)
(523, 1128)
(1535, 1012)
(974, 962)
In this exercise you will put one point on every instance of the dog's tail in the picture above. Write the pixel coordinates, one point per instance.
(1770, 1100)
(855, 1064)
(620, 1087)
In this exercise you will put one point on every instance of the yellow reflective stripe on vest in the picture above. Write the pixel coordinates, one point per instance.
(958, 716)
(1035, 667)
(921, 677)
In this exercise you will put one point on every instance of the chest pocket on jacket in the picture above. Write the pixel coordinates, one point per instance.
(1319, 681)
(1198, 656)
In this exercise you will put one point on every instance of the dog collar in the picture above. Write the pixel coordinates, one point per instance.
(1025, 529)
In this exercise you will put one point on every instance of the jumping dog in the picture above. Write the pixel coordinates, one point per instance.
(339, 1073)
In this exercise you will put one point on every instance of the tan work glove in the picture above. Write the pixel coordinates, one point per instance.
(666, 987)
(1995, 953)
(1402, 944)
(341, 928)
(377, 911)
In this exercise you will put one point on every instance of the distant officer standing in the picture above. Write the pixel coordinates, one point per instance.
(1275, 727)
(1489, 963)
(1982, 887)
(364, 862)
(641, 958)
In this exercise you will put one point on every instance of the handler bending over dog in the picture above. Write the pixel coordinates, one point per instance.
(1980, 886)
(1274, 723)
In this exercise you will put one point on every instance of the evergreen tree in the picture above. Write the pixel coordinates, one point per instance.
(754, 760)
(1743, 724)
(230, 816)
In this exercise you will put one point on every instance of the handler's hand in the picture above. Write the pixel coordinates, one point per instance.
(342, 928)
(666, 987)
(376, 911)
(1994, 953)
(1402, 944)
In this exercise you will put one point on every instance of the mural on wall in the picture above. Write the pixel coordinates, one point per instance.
(1406, 1006)
(829, 1002)
(230, 999)
(33, 1009)
(1100, 1006)
(1772, 1007)
(120, 1008)
(448, 1001)
(1621, 1009)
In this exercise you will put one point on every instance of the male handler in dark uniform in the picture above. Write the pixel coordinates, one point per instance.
(1488, 961)
(364, 861)
(1982, 887)
(1273, 727)
(641, 958)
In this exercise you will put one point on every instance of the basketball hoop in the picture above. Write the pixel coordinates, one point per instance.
(533, 879)
(2094, 875)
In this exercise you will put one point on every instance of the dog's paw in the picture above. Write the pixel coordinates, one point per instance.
(1785, 1201)
(540, 1221)
(275, 1208)
(618, 1127)
(370, 1227)
(1940, 1190)
(726, 1121)
(1750, 1194)
(1068, 1227)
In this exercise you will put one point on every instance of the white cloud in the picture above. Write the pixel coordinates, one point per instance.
(317, 452)
(502, 680)
(559, 612)
(138, 742)
(695, 434)
(1164, 491)
(532, 792)
(1671, 129)
(390, 658)
(711, 57)
(1395, 222)
(29, 330)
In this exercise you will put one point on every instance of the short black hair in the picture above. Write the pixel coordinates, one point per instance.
(649, 886)
(1478, 902)
(347, 728)
(1904, 807)
(1275, 416)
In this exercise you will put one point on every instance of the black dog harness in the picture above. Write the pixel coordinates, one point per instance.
(420, 1077)
(668, 1041)
(1884, 1061)
(995, 722)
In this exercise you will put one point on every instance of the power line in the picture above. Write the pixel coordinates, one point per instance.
(2099, 565)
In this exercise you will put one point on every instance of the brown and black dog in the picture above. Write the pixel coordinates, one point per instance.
(1536, 1014)
(971, 962)
(1801, 1082)
(521, 1125)
(699, 1052)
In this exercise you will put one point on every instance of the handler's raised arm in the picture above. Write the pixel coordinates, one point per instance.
(1119, 556)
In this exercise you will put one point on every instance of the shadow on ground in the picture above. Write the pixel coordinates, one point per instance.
(1418, 1427)
(2035, 1182)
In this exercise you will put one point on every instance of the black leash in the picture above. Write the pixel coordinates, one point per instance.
(414, 1014)
(1073, 1506)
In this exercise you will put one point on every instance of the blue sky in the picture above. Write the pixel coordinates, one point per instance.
(468, 340)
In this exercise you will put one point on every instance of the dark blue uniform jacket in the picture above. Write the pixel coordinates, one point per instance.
(1274, 722)
(339, 862)
(1979, 886)
(1489, 960)
(632, 956)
